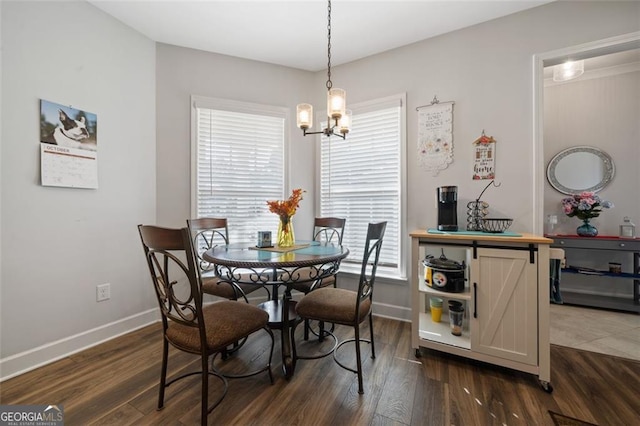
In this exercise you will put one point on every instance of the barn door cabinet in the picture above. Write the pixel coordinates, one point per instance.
(506, 300)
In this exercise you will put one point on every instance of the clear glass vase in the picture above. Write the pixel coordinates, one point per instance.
(587, 229)
(285, 232)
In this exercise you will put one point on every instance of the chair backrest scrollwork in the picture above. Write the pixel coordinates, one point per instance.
(373, 245)
(329, 229)
(207, 232)
(169, 255)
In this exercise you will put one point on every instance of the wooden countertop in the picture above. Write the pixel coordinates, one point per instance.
(524, 238)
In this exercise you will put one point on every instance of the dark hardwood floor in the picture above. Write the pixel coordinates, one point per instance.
(116, 383)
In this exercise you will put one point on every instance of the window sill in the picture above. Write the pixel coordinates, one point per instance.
(386, 277)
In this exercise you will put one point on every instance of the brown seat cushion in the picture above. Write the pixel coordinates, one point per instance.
(214, 286)
(306, 287)
(332, 305)
(226, 322)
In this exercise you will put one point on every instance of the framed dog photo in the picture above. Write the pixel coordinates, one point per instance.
(68, 146)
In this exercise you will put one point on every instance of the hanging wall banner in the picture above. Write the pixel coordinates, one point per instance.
(484, 158)
(435, 136)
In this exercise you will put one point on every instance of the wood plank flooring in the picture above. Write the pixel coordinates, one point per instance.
(116, 383)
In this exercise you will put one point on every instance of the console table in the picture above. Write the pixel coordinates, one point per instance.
(575, 246)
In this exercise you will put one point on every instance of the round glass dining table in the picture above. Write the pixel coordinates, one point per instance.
(306, 261)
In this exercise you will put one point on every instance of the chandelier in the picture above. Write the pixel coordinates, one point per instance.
(338, 117)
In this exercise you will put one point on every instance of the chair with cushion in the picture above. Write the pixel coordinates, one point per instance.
(208, 232)
(186, 323)
(325, 230)
(346, 307)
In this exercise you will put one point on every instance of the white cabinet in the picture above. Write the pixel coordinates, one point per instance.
(506, 300)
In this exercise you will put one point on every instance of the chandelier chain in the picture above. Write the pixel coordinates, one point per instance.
(329, 83)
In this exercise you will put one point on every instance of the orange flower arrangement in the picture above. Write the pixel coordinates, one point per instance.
(286, 208)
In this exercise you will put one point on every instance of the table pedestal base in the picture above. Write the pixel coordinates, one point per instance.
(284, 320)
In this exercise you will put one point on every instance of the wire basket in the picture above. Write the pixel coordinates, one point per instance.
(496, 226)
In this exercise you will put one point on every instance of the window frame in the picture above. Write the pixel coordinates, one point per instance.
(353, 266)
(239, 107)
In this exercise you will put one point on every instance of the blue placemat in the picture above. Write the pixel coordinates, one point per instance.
(497, 234)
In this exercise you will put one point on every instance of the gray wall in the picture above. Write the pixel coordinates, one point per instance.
(59, 243)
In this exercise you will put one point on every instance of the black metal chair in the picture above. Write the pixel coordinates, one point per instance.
(325, 230)
(208, 232)
(186, 323)
(346, 307)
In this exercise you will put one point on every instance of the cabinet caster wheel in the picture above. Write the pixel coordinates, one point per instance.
(418, 354)
(546, 386)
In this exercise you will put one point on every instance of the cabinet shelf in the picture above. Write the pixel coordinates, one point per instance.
(441, 331)
(599, 273)
(424, 288)
(600, 301)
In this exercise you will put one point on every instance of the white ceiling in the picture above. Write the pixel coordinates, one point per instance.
(294, 32)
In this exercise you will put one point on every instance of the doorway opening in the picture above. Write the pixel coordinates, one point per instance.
(566, 320)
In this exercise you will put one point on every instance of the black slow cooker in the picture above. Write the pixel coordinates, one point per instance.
(444, 274)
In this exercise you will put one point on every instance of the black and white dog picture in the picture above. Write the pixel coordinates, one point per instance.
(68, 127)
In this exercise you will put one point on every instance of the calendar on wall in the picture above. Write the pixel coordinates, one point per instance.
(68, 146)
(69, 167)
(484, 157)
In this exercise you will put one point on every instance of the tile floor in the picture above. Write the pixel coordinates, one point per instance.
(596, 330)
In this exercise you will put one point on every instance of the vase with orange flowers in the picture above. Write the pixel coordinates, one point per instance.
(285, 209)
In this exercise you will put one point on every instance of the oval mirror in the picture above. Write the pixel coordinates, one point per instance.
(581, 168)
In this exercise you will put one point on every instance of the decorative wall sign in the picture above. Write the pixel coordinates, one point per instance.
(484, 157)
(435, 135)
(69, 146)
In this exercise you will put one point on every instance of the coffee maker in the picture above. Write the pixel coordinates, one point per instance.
(447, 208)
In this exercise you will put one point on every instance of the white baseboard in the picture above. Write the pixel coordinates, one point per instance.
(400, 313)
(17, 364)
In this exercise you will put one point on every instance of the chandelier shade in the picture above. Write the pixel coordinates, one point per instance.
(336, 104)
(345, 122)
(304, 114)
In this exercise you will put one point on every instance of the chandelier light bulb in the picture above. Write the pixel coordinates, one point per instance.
(336, 103)
(304, 114)
(345, 122)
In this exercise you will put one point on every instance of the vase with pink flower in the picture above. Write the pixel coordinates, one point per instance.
(285, 209)
(585, 206)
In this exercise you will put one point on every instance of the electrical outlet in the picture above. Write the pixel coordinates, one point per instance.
(103, 292)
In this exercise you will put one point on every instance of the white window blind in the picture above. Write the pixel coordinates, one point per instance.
(361, 180)
(239, 165)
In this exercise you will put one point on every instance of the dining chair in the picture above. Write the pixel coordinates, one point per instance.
(347, 307)
(186, 323)
(209, 232)
(325, 230)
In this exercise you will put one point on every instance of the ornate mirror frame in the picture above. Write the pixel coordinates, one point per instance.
(608, 169)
